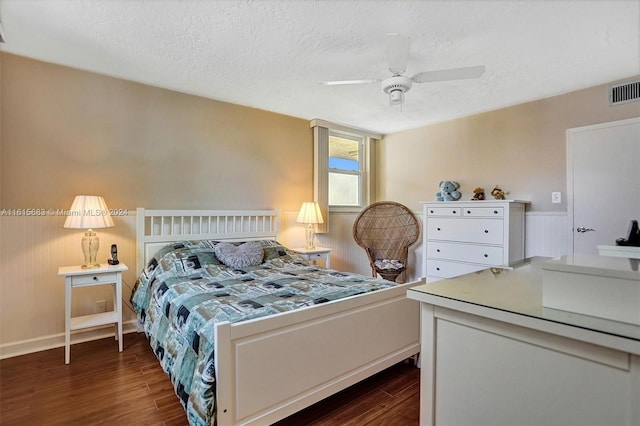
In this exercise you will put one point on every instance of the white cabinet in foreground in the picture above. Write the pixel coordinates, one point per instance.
(493, 355)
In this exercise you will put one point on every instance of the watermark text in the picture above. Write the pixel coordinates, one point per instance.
(62, 212)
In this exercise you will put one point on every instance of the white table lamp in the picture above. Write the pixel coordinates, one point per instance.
(89, 212)
(311, 215)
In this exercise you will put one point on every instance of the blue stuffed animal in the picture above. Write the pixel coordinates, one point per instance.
(448, 191)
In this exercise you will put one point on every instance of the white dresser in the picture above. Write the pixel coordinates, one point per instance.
(467, 236)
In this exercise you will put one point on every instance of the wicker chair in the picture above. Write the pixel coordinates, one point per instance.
(386, 230)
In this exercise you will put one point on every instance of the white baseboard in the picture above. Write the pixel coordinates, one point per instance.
(44, 343)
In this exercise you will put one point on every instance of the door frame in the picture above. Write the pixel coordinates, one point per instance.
(570, 141)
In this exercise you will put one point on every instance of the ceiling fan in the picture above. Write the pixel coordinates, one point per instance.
(397, 52)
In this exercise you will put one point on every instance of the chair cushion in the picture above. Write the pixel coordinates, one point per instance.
(388, 264)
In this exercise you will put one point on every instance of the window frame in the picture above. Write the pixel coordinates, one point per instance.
(321, 131)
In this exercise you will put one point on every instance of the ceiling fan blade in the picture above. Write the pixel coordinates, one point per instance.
(450, 74)
(397, 52)
(344, 82)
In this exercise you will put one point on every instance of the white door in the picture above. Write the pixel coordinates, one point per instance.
(603, 183)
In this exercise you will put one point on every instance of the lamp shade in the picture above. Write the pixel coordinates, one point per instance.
(310, 213)
(88, 212)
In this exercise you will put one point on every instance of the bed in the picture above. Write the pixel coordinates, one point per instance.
(265, 368)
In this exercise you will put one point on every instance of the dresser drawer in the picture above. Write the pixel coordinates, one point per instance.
(483, 231)
(444, 211)
(92, 279)
(489, 255)
(483, 211)
(445, 269)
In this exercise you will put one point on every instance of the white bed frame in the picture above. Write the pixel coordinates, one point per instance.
(270, 368)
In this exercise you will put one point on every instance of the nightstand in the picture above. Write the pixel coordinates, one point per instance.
(315, 254)
(76, 276)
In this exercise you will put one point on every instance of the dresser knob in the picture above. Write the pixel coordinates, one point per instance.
(486, 231)
(454, 212)
(495, 212)
(437, 269)
(438, 229)
(468, 211)
(95, 278)
(486, 255)
(430, 211)
(438, 250)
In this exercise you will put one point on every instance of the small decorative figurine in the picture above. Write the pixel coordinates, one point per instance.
(498, 193)
(448, 191)
(478, 194)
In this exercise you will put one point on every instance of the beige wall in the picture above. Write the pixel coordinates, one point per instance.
(1, 84)
(521, 148)
(67, 132)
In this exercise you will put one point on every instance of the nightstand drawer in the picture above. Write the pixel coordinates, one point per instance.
(316, 256)
(93, 279)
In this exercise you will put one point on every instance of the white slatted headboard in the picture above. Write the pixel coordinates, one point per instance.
(156, 228)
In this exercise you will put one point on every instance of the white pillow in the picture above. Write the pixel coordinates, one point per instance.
(246, 254)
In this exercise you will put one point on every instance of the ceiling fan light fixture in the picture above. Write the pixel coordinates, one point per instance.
(396, 87)
(396, 97)
(397, 82)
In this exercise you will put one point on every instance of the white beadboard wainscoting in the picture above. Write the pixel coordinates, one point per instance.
(546, 234)
(33, 247)
(31, 292)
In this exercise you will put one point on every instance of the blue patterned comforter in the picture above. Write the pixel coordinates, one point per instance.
(185, 290)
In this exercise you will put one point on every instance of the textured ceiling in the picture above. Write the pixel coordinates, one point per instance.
(273, 54)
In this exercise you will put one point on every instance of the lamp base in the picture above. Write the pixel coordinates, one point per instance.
(311, 233)
(90, 246)
(93, 266)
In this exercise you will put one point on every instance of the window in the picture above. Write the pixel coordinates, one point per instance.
(345, 170)
(342, 173)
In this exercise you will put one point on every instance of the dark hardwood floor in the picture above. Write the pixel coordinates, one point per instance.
(102, 386)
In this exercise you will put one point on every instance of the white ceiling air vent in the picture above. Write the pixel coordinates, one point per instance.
(624, 93)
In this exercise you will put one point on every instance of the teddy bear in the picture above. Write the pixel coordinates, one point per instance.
(448, 191)
(478, 194)
(498, 193)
